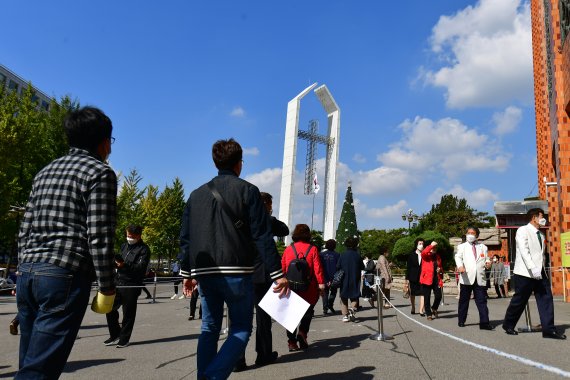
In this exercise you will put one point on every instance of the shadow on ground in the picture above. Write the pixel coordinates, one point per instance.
(355, 373)
(165, 340)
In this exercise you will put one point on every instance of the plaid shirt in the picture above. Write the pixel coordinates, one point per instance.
(70, 217)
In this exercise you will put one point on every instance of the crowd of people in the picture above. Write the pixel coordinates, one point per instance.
(228, 256)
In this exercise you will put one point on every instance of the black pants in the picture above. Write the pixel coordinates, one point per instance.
(502, 292)
(480, 294)
(328, 298)
(524, 286)
(263, 336)
(305, 323)
(144, 289)
(127, 298)
(194, 302)
(427, 289)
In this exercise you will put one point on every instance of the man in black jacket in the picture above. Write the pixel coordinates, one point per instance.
(219, 251)
(131, 269)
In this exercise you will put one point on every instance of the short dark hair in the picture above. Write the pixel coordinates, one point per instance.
(351, 242)
(330, 244)
(87, 127)
(534, 212)
(302, 232)
(266, 197)
(474, 229)
(418, 240)
(226, 153)
(134, 229)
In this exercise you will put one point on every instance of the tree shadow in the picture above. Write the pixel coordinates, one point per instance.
(81, 364)
(355, 373)
(165, 340)
(90, 327)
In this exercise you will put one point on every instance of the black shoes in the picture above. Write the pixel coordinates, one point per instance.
(240, 365)
(14, 327)
(260, 362)
(486, 326)
(510, 331)
(553, 335)
(461, 324)
(111, 341)
(122, 343)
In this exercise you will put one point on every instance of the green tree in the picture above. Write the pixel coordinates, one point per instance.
(405, 246)
(170, 207)
(451, 216)
(372, 240)
(347, 224)
(129, 208)
(317, 239)
(152, 224)
(30, 138)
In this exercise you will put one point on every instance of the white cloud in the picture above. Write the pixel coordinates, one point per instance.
(486, 54)
(507, 121)
(476, 198)
(382, 180)
(359, 158)
(237, 112)
(254, 151)
(390, 211)
(445, 145)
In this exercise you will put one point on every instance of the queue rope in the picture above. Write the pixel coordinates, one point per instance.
(520, 359)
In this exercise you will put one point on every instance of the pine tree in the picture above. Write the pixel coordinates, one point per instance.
(347, 224)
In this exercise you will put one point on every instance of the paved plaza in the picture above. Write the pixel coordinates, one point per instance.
(163, 346)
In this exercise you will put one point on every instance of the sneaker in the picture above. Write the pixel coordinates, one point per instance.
(181, 297)
(302, 339)
(111, 341)
(14, 327)
(352, 315)
(122, 344)
(262, 361)
(240, 365)
(174, 297)
(346, 318)
(190, 317)
(293, 345)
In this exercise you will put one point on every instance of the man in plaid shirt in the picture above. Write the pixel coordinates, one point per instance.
(65, 243)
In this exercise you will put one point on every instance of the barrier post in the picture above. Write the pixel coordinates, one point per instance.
(227, 329)
(529, 327)
(153, 291)
(380, 335)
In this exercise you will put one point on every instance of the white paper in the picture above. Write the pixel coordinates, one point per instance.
(287, 311)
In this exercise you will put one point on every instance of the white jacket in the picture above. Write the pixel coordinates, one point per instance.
(474, 267)
(529, 253)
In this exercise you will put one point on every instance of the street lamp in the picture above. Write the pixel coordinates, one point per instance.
(410, 216)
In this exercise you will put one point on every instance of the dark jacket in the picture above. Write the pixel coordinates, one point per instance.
(329, 259)
(209, 241)
(260, 275)
(136, 258)
(352, 264)
(413, 269)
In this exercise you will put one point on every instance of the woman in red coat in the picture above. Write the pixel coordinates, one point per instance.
(301, 239)
(430, 279)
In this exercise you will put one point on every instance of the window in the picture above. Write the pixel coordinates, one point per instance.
(13, 85)
(564, 8)
(2, 78)
(45, 105)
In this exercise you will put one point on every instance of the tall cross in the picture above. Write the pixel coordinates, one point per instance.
(313, 138)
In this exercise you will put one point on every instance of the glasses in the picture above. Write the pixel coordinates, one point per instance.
(112, 140)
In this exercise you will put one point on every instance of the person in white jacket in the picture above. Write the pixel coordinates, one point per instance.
(471, 259)
(530, 276)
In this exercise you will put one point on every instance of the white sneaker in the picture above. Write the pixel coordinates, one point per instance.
(174, 297)
(345, 318)
(181, 297)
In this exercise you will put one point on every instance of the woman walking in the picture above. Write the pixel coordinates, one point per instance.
(351, 264)
(498, 276)
(430, 279)
(301, 248)
(384, 267)
(413, 270)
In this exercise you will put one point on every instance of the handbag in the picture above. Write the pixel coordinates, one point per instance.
(337, 278)
(406, 291)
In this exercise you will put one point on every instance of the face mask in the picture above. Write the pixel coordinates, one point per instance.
(542, 222)
(132, 241)
(420, 247)
(494, 260)
(470, 238)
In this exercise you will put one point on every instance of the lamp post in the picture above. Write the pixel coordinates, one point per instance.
(410, 216)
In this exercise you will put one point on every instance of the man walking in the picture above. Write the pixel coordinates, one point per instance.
(66, 242)
(131, 269)
(471, 260)
(220, 221)
(329, 258)
(530, 276)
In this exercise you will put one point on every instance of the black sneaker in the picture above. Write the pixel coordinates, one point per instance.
(111, 341)
(240, 365)
(122, 344)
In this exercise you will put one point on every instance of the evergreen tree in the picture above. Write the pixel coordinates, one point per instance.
(347, 224)
(129, 209)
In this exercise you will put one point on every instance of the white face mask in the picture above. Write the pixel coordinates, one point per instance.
(132, 241)
(542, 222)
(494, 260)
(470, 238)
(420, 247)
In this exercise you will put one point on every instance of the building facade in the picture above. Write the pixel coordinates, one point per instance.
(13, 82)
(551, 65)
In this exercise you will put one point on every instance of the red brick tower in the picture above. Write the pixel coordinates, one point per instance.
(551, 61)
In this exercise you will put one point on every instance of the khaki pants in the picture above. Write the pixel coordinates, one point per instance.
(344, 304)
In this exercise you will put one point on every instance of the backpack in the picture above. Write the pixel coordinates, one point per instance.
(298, 271)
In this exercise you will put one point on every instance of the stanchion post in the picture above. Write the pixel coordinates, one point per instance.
(379, 298)
(529, 327)
(154, 290)
(227, 329)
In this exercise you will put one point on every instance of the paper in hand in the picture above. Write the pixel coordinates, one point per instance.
(287, 311)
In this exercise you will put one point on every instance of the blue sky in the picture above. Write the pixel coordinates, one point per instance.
(435, 97)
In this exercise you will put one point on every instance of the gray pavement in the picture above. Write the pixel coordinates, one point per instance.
(163, 346)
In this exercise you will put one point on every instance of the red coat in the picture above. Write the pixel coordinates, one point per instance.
(311, 295)
(426, 275)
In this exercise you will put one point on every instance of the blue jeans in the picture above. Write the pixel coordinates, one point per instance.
(237, 293)
(51, 305)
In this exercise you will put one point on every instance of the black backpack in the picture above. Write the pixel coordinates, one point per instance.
(298, 271)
